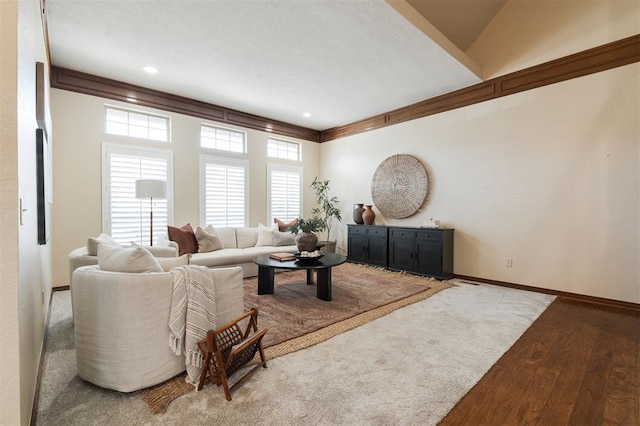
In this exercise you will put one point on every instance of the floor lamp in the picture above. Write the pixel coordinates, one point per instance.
(149, 188)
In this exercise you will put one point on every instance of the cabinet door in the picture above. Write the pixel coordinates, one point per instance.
(429, 257)
(401, 254)
(357, 248)
(377, 251)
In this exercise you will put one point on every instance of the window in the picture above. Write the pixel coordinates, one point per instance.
(136, 124)
(127, 218)
(222, 139)
(284, 185)
(223, 191)
(283, 149)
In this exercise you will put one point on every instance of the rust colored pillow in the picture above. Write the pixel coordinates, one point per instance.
(282, 227)
(185, 238)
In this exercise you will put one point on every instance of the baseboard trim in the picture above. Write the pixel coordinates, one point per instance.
(565, 294)
(45, 338)
(61, 288)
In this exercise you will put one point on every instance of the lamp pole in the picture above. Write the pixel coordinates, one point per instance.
(151, 221)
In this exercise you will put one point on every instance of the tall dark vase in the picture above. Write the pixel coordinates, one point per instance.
(368, 215)
(357, 214)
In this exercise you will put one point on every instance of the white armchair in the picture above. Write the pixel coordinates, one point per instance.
(121, 324)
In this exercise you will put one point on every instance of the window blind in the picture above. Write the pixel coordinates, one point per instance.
(225, 188)
(127, 218)
(285, 192)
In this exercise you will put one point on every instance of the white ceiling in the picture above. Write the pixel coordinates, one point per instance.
(340, 60)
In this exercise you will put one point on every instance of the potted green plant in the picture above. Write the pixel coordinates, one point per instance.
(305, 230)
(326, 210)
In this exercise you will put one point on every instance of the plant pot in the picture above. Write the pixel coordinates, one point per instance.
(306, 242)
(329, 246)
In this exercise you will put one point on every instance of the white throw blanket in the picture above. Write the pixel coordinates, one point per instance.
(193, 313)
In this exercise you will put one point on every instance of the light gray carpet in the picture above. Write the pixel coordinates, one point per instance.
(409, 367)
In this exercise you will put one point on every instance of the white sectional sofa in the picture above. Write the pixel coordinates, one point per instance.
(241, 245)
(238, 247)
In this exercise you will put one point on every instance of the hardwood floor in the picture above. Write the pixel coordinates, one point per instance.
(578, 364)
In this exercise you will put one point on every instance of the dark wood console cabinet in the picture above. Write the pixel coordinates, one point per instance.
(367, 244)
(424, 251)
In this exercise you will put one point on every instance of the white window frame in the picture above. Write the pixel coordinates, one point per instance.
(223, 129)
(129, 112)
(110, 148)
(272, 167)
(283, 142)
(210, 159)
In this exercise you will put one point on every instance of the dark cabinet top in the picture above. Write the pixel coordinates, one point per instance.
(425, 228)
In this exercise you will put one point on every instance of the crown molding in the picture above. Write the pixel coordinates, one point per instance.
(611, 55)
(608, 56)
(88, 84)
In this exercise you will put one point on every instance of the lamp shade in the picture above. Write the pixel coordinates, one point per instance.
(149, 188)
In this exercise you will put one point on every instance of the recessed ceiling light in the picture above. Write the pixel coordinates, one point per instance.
(150, 70)
(306, 114)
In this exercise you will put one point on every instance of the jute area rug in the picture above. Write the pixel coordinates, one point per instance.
(297, 319)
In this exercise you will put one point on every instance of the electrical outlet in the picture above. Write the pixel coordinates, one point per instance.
(509, 263)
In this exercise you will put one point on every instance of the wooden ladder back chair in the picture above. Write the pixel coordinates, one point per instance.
(227, 349)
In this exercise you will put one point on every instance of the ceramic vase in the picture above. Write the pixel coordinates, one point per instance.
(306, 241)
(357, 214)
(368, 215)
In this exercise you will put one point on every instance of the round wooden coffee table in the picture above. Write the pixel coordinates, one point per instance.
(267, 266)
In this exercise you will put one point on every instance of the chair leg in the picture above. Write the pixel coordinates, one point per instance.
(264, 361)
(225, 385)
(205, 368)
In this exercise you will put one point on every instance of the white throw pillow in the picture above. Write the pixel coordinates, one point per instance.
(167, 263)
(118, 259)
(265, 234)
(227, 234)
(246, 237)
(283, 239)
(92, 243)
(208, 240)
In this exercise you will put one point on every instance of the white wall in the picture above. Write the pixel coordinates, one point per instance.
(549, 177)
(9, 331)
(79, 134)
(24, 265)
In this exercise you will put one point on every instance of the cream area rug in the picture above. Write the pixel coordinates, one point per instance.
(408, 367)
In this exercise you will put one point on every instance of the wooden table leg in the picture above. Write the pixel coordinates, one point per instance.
(265, 280)
(309, 276)
(324, 284)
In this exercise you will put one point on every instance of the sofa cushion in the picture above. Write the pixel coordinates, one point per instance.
(168, 263)
(118, 259)
(246, 237)
(227, 234)
(265, 234)
(92, 243)
(208, 239)
(283, 239)
(185, 238)
(159, 251)
(282, 227)
(229, 257)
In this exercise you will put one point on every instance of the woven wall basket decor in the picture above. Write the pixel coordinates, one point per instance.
(399, 186)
